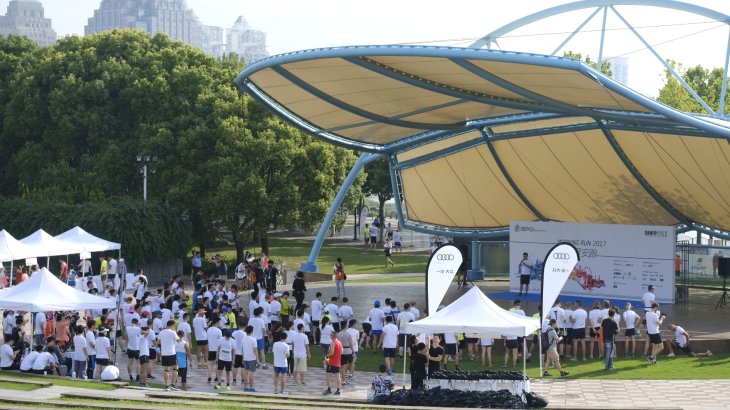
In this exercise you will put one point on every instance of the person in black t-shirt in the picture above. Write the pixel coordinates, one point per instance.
(418, 371)
(610, 329)
(436, 354)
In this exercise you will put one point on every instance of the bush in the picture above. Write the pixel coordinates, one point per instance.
(148, 233)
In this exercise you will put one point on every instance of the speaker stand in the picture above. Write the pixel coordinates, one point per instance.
(723, 299)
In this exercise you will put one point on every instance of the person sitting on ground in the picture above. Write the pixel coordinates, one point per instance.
(26, 365)
(382, 384)
(681, 342)
(46, 363)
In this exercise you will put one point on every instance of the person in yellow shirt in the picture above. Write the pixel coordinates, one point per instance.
(284, 311)
(104, 270)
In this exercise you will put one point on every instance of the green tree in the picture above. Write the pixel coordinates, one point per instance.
(707, 83)
(378, 184)
(605, 64)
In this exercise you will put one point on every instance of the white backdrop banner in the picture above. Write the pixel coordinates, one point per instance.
(617, 261)
(442, 268)
(363, 217)
(559, 264)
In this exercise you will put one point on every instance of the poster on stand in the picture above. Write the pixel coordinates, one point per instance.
(616, 261)
(440, 272)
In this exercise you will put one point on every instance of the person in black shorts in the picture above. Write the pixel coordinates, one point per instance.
(511, 346)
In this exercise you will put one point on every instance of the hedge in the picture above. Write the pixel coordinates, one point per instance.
(148, 233)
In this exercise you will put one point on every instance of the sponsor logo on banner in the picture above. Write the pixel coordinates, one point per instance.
(442, 268)
(559, 264)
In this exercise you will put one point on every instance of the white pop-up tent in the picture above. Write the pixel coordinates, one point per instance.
(475, 315)
(82, 241)
(44, 292)
(12, 249)
(46, 245)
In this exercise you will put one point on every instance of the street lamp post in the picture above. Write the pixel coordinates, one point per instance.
(146, 165)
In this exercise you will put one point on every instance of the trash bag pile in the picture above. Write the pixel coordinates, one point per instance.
(438, 397)
(480, 375)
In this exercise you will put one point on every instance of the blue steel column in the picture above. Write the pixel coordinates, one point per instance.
(721, 110)
(476, 260)
(311, 264)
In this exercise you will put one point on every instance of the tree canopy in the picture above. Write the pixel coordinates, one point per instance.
(74, 115)
(707, 83)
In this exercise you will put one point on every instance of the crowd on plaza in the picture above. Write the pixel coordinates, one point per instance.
(232, 326)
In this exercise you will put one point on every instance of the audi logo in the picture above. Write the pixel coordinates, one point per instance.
(445, 257)
(562, 256)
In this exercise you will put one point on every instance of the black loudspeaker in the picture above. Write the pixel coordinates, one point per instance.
(723, 267)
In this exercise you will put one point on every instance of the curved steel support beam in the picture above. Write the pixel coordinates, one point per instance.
(397, 193)
(359, 111)
(723, 90)
(311, 264)
(488, 140)
(586, 4)
(576, 31)
(639, 178)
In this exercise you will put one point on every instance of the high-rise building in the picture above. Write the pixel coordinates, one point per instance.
(620, 69)
(248, 43)
(26, 18)
(213, 40)
(172, 17)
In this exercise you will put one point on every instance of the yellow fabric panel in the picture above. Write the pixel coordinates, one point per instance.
(465, 189)
(560, 177)
(438, 146)
(688, 172)
(377, 133)
(462, 113)
(555, 122)
(366, 89)
(567, 86)
(443, 71)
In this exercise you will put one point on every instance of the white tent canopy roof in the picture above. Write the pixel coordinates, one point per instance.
(46, 245)
(82, 241)
(12, 249)
(44, 292)
(474, 314)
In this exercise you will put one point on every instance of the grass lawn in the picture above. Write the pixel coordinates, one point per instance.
(81, 384)
(356, 258)
(19, 386)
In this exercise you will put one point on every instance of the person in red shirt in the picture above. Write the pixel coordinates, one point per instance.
(334, 362)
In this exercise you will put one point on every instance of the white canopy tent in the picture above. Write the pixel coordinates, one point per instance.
(46, 245)
(12, 249)
(44, 292)
(82, 241)
(475, 315)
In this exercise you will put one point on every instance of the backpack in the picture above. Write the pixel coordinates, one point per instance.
(545, 342)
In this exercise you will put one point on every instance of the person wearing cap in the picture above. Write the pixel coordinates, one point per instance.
(376, 317)
(201, 338)
(103, 351)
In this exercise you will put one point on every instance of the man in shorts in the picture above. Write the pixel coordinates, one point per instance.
(390, 343)
(334, 363)
(654, 319)
(168, 340)
(225, 354)
(201, 338)
(681, 342)
(250, 353)
(301, 352)
(214, 336)
(281, 367)
(376, 317)
(184, 358)
(366, 235)
(132, 336)
(578, 319)
(525, 269)
(348, 350)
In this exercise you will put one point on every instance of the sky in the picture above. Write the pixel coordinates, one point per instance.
(297, 25)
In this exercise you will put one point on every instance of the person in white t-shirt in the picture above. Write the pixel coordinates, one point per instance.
(81, 354)
(238, 336)
(46, 363)
(681, 342)
(578, 319)
(259, 333)
(397, 241)
(390, 343)
(214, 336)
(345, 311)
(102, 346)
(225, 354)
(168, 340)
(596, 317)
(334, 312)
(132, 333)
(376, 318)
(648, 298)
(250, 359)
(317, 309)
(40, 328)
(26, 365)
(631, 319)
(301, 352)
(110, 374)
(185, 327)
(200, 327)
(567, 325)
(281, 368)
(654, 320)
(355, 334)
(403, 319)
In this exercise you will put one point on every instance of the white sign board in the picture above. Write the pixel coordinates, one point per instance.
(616, 261)
(442, 268)
(31, 261)
(85, 255)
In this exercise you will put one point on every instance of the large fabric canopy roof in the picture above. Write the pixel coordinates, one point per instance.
(478, 138)
(44, 292)
(82, 241)
(475, 314)
(12, 249)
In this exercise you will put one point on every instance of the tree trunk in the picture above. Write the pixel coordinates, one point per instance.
(198, 232)
(264, 237)
(381, 214)
(240, 241)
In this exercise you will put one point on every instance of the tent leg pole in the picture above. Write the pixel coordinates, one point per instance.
(12, 271)
(539, 341)
(405, 357)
